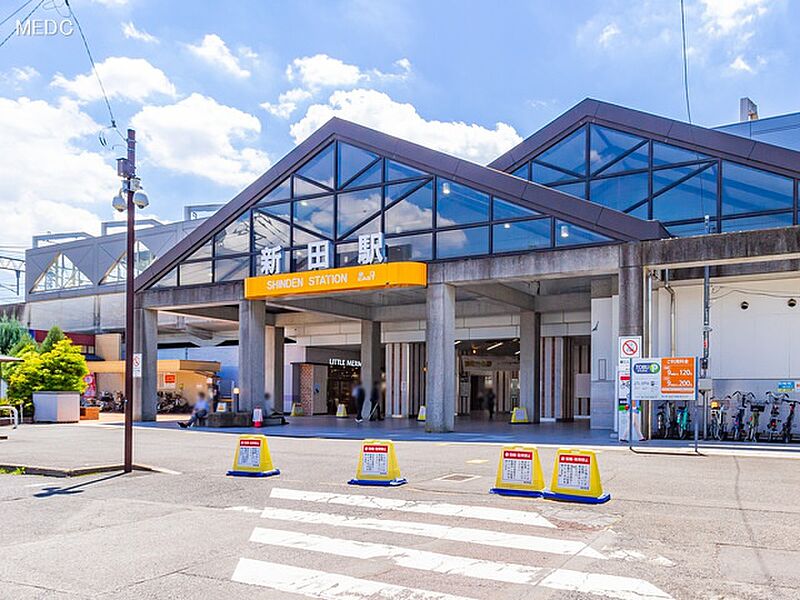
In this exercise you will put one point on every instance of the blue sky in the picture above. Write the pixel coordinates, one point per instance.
(218, 91)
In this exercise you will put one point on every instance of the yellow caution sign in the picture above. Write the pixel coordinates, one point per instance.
(377, 465)
(422, 414)
(519, 472)
(297, 410)
(341, 411)
(252, 458)
(519, 415)
(576, 478)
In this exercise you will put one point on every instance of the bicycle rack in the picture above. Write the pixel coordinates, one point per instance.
(12, 417)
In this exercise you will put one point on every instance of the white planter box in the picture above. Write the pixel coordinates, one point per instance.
(56, 407)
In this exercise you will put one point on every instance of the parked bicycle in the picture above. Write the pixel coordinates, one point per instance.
(754, 419)
(738, 423)
(683, 421)
(774, 429)
(716, 425)
(786, 430)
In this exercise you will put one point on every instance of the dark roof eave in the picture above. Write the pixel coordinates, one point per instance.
(757, 154)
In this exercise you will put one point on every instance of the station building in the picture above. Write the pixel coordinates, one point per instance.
(434, 278)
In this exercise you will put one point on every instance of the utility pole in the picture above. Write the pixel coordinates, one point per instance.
(133, 197)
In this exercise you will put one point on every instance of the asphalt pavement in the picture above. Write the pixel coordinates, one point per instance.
(677, 526)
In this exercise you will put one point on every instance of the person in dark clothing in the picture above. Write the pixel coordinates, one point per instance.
(376, 410)
(490, 398)
(360, 397)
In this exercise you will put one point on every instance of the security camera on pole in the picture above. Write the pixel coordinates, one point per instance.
(130, 197)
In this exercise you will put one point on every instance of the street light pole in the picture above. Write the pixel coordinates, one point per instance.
(130, 197)
(129, 174)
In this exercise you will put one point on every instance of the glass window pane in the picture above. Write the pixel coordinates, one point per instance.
(371, 176)
(546, 175)
(235, 238)
(693, 199)
(203, 251)
(168, 280)
(522, 172)
(232, 269)
(413, 213)
(609, 144)
(666, 154)
(315, 214)
(749, 190)
(641, 211)
(320, 168)
(522, 235)
(300, 260)
(569, 154)
(352, 160)
(458, 204)
(665, 177)
(690, 229)
(620, 192)
(568, 234)
(306, 188)
(282, 210)
(354, 207)
(462, 242)
(410, 247)
(398, 190)
(508, 210)
(372, 226)
(636, 160)
(396, 170)
(760, 222)
(269, 231)
(281, 192)
(347, 254)
(195, 273)
(301, 238)
(575, 189)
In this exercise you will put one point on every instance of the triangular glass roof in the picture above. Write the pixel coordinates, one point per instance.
(62, 274)
(118, 271)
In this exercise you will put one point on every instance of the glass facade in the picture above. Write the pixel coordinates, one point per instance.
(142, 257)
(62, 274)
(653, 180)
(344, 191)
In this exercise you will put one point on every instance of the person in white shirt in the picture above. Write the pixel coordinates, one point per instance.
(200, 411)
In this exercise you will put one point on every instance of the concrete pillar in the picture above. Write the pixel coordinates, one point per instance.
(273, 351)
(440, 337)
(252, 317)
(530, 327)
(371, 354)
(145, 398)
(631, 290)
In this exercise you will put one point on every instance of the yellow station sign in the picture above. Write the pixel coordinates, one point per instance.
(345, 279)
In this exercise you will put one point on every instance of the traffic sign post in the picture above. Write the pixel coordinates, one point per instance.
(628, 347)
(669, 378)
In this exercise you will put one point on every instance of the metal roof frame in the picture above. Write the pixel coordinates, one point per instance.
(592, 216)
(662, 129)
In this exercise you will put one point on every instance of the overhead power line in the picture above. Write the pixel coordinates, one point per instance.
(91, 61)
(24, 4)
(685, 63)
(28, 16)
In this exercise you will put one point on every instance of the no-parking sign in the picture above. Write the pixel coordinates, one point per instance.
(630, 346)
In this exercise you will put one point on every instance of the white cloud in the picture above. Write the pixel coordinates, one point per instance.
(322, 70)
(287, 102)
(377, 110)
(125, 78)
(48, 182)
(723, 17)
(740, 64)
(16, 77)
(609, 32)
(196, 136)
(130, 31)
(215, 52)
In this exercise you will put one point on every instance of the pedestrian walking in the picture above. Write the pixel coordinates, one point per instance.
(359, 396)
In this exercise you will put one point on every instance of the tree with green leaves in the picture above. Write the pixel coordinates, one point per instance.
(60, 369)
(12, 332)
(54, 336)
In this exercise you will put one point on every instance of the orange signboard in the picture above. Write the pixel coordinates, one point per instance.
(678, 375)
(345, 279)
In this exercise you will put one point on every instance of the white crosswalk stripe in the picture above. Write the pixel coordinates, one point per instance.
(444, 509)
(336, 518)
(484, 537)
(328, 586)
(609, 586)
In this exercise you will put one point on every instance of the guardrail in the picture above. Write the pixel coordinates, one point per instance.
(12, 417)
